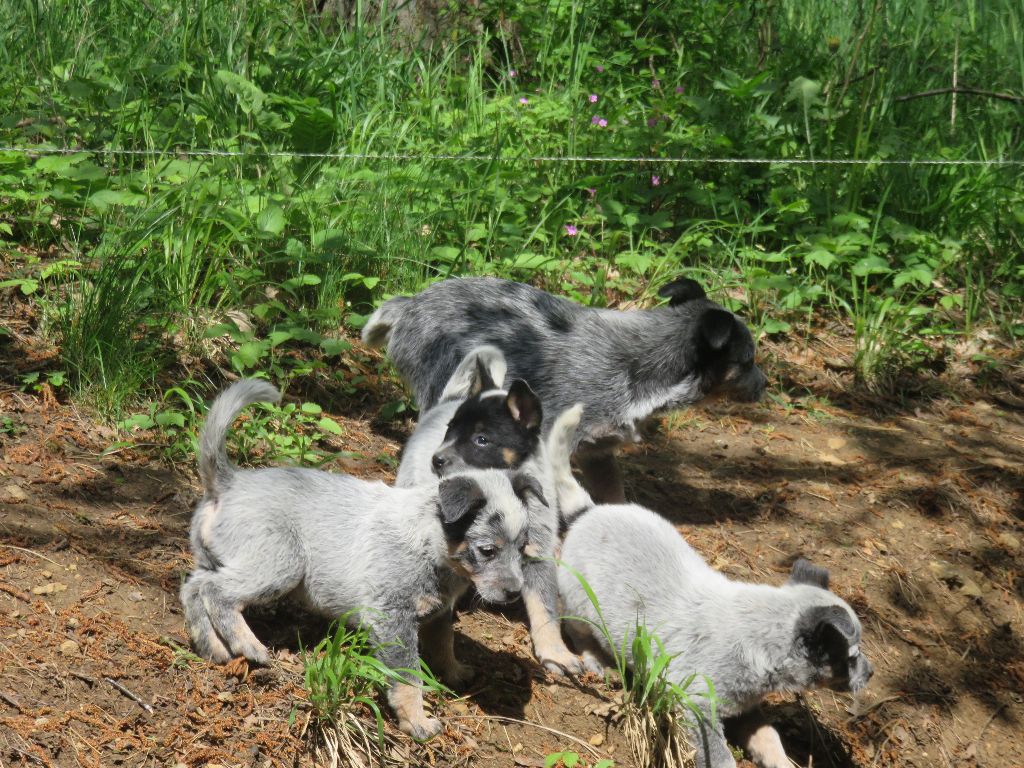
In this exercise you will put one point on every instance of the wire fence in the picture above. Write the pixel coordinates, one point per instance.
(440, 157)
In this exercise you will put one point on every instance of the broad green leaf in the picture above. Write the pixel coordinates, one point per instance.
(919, 274)
(248, 354)
(102, 201)
(328, 424)
(312, 408)
(248, 95)
(821, 257)
(332, 347)
(277, 338)
(871, 265)
(169, 418)
(312, 131)
(271, 220)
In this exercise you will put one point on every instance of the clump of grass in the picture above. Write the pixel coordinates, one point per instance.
(657, 714)
(344, 680)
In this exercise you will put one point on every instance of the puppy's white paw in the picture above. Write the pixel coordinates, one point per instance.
(421, 730)
(566, 663)
(592, 664)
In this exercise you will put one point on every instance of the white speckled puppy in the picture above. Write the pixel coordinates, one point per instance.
(749, 639)
(396, 557)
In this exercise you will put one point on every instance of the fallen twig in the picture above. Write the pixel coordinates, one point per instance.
(14, 592)
(11, 700)
(129, 694)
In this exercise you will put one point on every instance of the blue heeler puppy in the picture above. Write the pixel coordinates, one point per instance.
(748, 639)
(625, 367)
(393, 559)
(479, 425)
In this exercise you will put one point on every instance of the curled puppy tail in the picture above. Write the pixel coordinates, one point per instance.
(377, 331)
(215, 469)
(482, 369)
(573, 500)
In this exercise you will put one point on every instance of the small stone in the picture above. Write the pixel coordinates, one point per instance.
(45, 589)
(73, 622)
(72, 567)
(47, 575)
(41, 721)
(69, 647)
(135, 597)
(461, 707)
(1009, 541)
(836, 443)
(596, 740)
(225, 697)
(14, 495)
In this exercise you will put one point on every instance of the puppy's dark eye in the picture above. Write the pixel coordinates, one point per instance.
(487, 551)
(481, 440)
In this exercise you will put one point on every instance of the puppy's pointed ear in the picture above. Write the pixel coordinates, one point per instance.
(716, 326)
(460, 498)
(523, 484)
(681, 290)
(482, 380)
(524, 405)
(829, 632)
(805, 573)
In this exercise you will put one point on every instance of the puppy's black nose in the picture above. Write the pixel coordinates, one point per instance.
(438, 461)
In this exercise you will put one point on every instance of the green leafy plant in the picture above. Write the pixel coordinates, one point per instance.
(655, 710)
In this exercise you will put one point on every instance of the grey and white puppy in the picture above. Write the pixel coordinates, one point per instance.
(749, 639)
(394, 559)
(478, 424)
(625, 367)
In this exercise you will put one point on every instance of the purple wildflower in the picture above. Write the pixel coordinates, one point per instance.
(680, 89)
(523, 100)
(602, 123)
(512, 73)
(593, 98)
(571, 231)
(651, 122)
(591, 191)
(599, 68)
(655, 83)
(655, 181)
(595, 120)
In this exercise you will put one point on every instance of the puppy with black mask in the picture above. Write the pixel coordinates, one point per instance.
(749, 640)
(479, 425)
(625, 367)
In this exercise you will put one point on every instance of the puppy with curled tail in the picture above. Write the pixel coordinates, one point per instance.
(394, 560)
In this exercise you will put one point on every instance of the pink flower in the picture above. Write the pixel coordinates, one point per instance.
(655, 83)
(655, 181)
(680, 89)
(523, 100)
(571, 231)
(594, 120)
(593, 98)
(602, 123)
(591, 191)
(651, 122)
(512, 73)
(599, 68)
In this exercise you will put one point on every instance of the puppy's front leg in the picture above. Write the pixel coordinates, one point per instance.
(601, 476)
(396, 637)
(759, 740)
(437, 640)
(540, 595)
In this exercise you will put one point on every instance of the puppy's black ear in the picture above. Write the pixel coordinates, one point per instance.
(805, 573)
(482, 380)
(460, 498)
(524, 405)
(523, 484)
(828, 632)
(681, 290)
(716, 326)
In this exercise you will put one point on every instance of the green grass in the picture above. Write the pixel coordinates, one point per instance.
(161, 245)
(657, 712)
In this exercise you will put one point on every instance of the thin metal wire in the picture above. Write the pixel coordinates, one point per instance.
(403, 157)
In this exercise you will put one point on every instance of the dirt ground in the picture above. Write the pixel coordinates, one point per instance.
(917, 509)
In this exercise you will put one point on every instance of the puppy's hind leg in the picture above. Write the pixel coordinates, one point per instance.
(540, 596)
(197, 621)
(253, 581)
